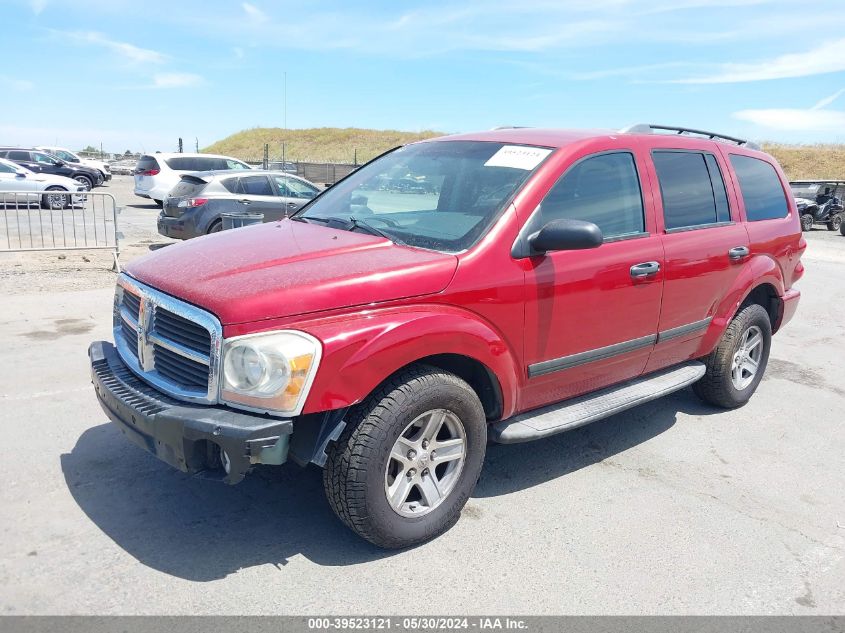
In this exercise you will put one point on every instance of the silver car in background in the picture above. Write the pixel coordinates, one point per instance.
(44, 189)
(196, 204)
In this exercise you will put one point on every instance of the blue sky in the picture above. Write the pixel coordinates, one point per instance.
(137, 75)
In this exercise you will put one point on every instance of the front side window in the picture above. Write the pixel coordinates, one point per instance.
(692, 189)
(440, 195)
(234, 164)
(5, 168)
(66, 156)
(44, 159)
(761, 189)
(293, 188)
(256, 186)
(603, 189)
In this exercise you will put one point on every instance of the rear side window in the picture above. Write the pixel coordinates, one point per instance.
(231, 184)
(146, 163)
(692, 189)
(603, 189)
(256, 186)
(18, 155)
(761, 188)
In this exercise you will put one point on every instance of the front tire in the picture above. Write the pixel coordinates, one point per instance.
(806, 222)
(735, 368)
(835, 223)
(55, 201)
(408, 459)
(85, 181)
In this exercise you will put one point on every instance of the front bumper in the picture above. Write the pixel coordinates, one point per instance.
(186, 436)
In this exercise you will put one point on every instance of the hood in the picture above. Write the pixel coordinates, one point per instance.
(290, 268)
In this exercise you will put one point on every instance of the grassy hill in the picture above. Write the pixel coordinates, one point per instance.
(321, 145)
(809, 161)
(339, 145)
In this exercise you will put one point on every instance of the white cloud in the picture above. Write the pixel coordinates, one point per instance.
(37, 6)
(795, 120)
(828, 57)
(130, 52)
(828, 100)
(176, 80)
(14, 84)
(254, 13)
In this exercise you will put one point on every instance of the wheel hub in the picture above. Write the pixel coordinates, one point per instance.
(425, 463)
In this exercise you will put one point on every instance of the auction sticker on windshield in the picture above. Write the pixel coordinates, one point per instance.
(518, 157)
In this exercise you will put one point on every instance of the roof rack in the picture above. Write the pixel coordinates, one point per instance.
(649, 128)
(509, 127)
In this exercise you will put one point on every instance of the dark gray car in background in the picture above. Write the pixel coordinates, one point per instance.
(196, 204)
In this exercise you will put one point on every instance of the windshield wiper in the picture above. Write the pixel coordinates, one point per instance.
(350, 224)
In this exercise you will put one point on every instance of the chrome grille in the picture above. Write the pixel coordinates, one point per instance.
(181, 330)
(170, 344)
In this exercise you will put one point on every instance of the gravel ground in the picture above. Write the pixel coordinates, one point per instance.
(671, 508)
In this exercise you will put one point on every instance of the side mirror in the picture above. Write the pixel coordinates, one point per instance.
(20, 174)
(565, 235)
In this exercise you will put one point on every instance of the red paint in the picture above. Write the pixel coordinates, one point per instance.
(377, 307)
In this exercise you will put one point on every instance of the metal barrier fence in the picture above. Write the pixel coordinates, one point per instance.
(318, 173)
(58, 221)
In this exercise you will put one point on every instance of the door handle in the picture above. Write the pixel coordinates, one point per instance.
(292, 205)
(243, 201)
(646, 269)
(738, 252)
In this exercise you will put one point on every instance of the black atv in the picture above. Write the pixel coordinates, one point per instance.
(819, 202)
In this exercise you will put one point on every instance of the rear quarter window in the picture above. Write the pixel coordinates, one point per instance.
(761, 189)
(146, 163)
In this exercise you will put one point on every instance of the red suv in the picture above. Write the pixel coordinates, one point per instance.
(506, 285)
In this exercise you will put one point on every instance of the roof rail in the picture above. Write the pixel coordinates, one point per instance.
(509, 127)
(649, 128)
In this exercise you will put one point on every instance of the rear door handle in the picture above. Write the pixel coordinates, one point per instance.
(738, 252)
(243, 201)
(646, 269)
(292, 205)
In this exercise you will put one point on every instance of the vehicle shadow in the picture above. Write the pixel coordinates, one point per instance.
(141, 205)
(514, 467)
(203, 530)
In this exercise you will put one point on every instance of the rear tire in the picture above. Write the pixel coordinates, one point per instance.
(835, 223)
(215, 227)
(735, 368)
(408, 459)
(806, 222)
(158, 203)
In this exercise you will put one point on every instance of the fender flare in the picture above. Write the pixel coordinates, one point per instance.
(361, 352)
(758, 271)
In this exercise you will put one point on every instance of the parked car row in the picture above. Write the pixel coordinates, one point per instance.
(195, 190)
(49, 190)
(41, 162)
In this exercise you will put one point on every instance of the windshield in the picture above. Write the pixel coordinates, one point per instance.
(440, 195)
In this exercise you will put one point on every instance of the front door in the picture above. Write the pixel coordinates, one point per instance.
(257, 195)
(591, 315)
(293, 192)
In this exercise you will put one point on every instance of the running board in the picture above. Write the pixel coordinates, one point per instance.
(576, 412)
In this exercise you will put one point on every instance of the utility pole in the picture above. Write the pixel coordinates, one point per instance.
(197, 144)
(180, 144)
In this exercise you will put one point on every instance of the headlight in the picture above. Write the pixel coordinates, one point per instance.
(269, 372)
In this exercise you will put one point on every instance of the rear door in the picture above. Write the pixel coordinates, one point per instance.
(256, 194)
(293, 192)
(10, 181)
(705, 245)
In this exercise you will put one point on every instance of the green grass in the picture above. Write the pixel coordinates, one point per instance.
(339, 145)
(319, 145)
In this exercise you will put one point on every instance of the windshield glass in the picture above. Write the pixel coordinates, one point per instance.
(440, 195)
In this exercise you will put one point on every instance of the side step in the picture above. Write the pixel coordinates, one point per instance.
(576, 412)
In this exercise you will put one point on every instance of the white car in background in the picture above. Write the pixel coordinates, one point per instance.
(70, 157)
(156, 174)
(43, 189)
